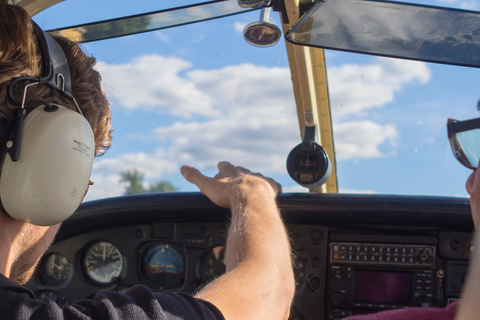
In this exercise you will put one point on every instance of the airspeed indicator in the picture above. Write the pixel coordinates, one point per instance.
(103, 262)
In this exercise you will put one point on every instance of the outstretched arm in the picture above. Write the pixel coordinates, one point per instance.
(259, 282)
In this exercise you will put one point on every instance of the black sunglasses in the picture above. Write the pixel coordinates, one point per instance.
(465, 141)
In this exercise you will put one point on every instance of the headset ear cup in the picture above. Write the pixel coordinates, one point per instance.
(48, 182)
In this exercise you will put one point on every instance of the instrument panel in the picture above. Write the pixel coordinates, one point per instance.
(339, 251)
(184, 257)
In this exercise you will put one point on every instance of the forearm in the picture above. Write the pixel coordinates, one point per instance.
(259, 271)
(259, 281)
(256, 232)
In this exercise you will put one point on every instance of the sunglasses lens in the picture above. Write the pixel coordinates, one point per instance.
(466, 147)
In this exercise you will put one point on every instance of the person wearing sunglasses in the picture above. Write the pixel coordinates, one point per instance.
(464, 137)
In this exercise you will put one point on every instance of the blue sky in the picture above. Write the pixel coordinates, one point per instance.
(199, 94)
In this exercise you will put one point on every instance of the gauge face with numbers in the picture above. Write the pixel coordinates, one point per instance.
(57, 269)
(103, 262)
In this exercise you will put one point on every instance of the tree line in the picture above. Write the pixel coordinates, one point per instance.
(135, 183)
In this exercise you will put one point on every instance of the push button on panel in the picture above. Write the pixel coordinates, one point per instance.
(383, 254)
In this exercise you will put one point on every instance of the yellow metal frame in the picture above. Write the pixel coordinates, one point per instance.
(309, 77)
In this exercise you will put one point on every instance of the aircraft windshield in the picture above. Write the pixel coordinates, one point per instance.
(199, 94)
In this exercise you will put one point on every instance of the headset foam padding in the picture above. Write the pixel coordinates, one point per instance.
(48, 182)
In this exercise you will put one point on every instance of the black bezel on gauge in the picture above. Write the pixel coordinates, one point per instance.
(200, 272)
(176, 283)
(46, 280)
(115, 280)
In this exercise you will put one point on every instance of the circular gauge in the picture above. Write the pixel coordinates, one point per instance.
(57, 269)
(163, 265)
(212, 264)
(103, 262)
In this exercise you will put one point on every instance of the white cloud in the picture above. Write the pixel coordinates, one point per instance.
(239, 26)
(162, 36)
(106, 171)
(355, 88)
(263, 146)
(156, 82)
(469, 5)
(247, 91)
(106, 186)
(154, 165)
(363, 139)
(153, 82)
(251, 116)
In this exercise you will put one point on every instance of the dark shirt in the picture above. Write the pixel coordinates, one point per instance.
(138, 303)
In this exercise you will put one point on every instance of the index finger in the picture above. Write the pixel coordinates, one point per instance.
(210, 187)
(194, 176)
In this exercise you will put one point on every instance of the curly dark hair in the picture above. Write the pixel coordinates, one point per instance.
(20, 56)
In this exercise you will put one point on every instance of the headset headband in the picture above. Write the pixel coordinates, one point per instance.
(55, 70)
(55, 74)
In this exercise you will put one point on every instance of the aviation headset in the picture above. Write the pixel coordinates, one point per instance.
(48, 153)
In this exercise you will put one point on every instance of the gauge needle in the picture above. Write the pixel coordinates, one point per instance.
(261, 35)
(104, 252)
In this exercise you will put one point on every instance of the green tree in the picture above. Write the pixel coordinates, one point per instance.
(162, 186)
(135, 178)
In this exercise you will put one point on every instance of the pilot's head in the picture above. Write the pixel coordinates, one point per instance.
(21, 56)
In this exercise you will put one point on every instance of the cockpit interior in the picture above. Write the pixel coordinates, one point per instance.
(310, 93)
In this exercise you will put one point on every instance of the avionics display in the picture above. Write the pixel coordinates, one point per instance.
(381, 287)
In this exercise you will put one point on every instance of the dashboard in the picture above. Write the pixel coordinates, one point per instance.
(353, 254)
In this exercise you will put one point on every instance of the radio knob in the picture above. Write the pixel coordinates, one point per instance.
(425, 303)
(336, 299)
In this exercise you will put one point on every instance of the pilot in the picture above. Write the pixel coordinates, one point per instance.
(259, 282)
